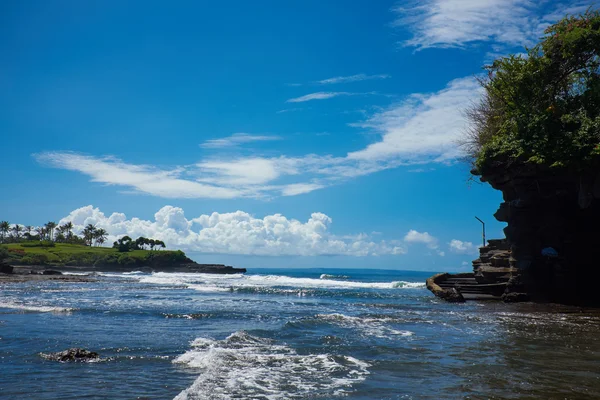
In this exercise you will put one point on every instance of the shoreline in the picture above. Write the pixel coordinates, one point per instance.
(26, 274)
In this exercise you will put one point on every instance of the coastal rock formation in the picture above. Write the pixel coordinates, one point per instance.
(74, 354)
(450, 294)
(5, 268)
(553, 218)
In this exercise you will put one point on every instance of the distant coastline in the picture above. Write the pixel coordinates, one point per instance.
(77, 257)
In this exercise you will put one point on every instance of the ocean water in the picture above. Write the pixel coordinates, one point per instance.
(289, 334)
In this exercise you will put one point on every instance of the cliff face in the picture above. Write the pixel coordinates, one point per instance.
(553, 232)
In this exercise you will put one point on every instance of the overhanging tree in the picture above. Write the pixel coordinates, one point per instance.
(542, 108)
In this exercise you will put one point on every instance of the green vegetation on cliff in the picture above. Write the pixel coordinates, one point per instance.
(50, 253)
(542, 107)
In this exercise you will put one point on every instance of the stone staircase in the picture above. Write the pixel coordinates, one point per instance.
(494, 264)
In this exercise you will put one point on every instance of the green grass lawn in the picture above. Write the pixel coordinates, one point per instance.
(75, 254)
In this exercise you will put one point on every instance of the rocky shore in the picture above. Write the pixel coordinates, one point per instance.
(550, 253)
(553, 218)
(15, 274)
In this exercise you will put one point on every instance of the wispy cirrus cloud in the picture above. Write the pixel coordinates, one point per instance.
(237, 139)
(142, 178)
(423, 127)
(418, 130)
(460, 23)
(318, 96)
(352, 78)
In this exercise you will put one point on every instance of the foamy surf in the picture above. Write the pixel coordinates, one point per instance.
(34, 308)
(372, 327)
(245, 366)
(239, 282)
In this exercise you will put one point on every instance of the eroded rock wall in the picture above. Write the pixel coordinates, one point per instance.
(553, 233)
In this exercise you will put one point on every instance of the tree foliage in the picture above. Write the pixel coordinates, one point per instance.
(542, 108)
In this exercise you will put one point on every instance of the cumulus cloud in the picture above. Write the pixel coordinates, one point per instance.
(237, 139)
(421, 237)
(460, 247)
(421, 129)
(352, 78)
(236, 233)
(459, 23)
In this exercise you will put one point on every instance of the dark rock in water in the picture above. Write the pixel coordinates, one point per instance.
(51, 272)
(450, 295)
(74, 354)
(514, 297)
(6, 269)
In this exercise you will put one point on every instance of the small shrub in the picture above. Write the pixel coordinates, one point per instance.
(35, 259)
(43, 243)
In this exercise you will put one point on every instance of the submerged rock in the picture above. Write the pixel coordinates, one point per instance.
(450, 295)
(74, 354)
(514, 297)
(51, 272)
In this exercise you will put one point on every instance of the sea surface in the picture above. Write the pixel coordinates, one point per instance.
(289, 334)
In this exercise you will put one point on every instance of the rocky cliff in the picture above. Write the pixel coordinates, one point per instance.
(553, 234)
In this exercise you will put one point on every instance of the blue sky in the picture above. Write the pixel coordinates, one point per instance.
(297, 133)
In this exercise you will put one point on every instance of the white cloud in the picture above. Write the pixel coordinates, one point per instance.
(424, 127)
(300, 188)
(419, 130)
(235, 233)
(142, 178)
(318, 96)
(352, 78)
(421, 237)
(458, 23)
(237, 139)
(242, 172)
(460, 247)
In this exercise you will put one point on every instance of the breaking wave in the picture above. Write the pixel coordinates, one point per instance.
(246, 366)
(34, 308)
(331, 276)
(264, 283)
(368, 326)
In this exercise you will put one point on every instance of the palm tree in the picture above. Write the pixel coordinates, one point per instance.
(88, 233)
(28, 229)
(16, 230)
(41, 231)
(4, 228)
(50, 228)
(68, 229)
(100, 236)
(60, 234)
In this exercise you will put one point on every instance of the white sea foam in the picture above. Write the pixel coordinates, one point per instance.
(377, 327)
(215, 282)
(77, 273)
(330, 276)
(244, 366)
(34, 307)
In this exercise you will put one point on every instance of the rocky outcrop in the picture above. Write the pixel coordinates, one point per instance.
(552, 242)
(5, 268)
(493, 264)
(451, 295)
(74, 354)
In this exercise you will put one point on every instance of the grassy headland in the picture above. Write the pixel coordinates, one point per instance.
(66, 254)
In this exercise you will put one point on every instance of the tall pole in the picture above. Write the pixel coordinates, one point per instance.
(482, 229)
